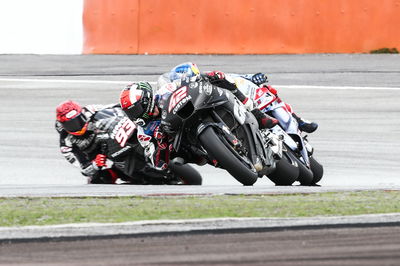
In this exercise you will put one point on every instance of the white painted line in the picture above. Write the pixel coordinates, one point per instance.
(87, 81)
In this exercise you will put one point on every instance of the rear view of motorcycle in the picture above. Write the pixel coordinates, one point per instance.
(209, 124)
(287, 170)
(296, 145)
(296, 149)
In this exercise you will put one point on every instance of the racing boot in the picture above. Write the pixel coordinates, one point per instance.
(264, 121)
(304, 125)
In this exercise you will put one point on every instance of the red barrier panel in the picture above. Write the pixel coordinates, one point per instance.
(240, 26)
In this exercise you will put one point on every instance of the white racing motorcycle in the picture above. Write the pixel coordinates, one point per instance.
(295, 146)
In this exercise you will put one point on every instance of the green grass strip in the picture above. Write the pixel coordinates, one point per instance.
(46, 211)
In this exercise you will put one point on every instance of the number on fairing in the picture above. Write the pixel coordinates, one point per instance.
(239, 112)
(124, 132)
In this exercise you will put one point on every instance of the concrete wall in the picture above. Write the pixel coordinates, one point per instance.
(240, 26)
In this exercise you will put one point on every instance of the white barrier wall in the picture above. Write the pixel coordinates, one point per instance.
(41, 26)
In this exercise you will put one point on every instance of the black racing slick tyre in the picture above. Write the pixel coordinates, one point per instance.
(306, 176)
(286, 172)
(186, 173)
(317, 169)
(224, 156)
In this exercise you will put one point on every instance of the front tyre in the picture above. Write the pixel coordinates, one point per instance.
(217, 148)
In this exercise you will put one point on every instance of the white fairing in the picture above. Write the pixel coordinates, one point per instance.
(247, 87)
(286, 138)
(267, 102)
(240, 112)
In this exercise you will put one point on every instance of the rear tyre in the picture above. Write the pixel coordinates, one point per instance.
(217, 149)
(187, 173)
(286, 172)
(306, 176)
(317, 169)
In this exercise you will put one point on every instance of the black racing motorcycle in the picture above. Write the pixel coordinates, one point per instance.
(210, 124)
(117, 137)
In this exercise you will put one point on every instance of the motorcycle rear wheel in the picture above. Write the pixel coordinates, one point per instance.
(306, 176)
(286, 172)
(317, 169)
(186, 173)
(218, 150)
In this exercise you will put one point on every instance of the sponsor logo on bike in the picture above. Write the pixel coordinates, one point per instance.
(176, 97)
(181, 103)
(208, 89)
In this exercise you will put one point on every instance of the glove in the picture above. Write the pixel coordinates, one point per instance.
(259, 78)
(102, 162)
(215, 76)
(158, 134)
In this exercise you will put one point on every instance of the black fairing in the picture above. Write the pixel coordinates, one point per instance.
(127, 158)
(185, 103)
(199, 103)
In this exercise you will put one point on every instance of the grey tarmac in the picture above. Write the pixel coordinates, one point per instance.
(357, 142)
(361, 245)
(191, 226)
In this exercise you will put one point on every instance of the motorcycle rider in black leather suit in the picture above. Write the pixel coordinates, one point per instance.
(78, 143)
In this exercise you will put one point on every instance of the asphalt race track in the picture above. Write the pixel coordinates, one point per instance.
(366, 246)
(354, 98)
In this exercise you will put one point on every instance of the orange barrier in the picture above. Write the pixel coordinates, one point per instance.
(239, 26)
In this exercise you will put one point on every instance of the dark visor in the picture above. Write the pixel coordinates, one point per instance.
(75, 124)
(135, 111)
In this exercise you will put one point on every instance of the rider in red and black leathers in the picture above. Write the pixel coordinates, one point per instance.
(78, 142)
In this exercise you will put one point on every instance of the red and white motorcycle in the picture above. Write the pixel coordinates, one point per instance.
(295, 146)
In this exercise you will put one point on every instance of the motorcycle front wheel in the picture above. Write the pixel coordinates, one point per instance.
(218, 149)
